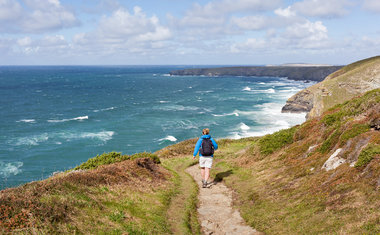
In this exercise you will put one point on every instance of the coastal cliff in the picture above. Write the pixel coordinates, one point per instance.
(308, 73)
(340, 86)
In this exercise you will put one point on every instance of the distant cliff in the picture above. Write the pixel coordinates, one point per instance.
(310, 73)
(340, 86)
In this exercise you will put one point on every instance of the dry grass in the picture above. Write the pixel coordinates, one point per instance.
(70, 202)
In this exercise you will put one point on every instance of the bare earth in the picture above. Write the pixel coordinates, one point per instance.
(216, 214)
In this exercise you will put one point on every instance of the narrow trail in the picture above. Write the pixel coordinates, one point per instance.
(216, 214)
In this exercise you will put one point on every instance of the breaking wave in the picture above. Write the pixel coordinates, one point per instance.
(27, 120)
(71, 119)
(11, 168)
(169, 138)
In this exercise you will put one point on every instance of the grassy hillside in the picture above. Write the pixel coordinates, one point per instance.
(279, 182)
(109, 194)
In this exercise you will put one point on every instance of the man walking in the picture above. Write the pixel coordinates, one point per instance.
(205, 146)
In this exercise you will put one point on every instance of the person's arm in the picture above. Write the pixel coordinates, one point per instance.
(197, 146)
(214, 143)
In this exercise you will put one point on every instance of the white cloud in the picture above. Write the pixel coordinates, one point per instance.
(137, 26)
(251, 44)
(372, 5)
(35, 16)
(286, 12)
(252, 22)
(25, 41)
(322, 8)
(312, 31)
(217, 12)
(9, 10)
(305, 35)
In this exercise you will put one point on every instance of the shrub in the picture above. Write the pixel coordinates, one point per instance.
(367, 154)
(356, 130)
(330, 141)
(154, 157)
(112, 157)
(333, 118)
(270, 143)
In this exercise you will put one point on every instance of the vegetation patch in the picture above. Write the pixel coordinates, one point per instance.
(270, 143)
(113, 157)
(356, 130)
(330, 142)
(126, 197)
(367, 154)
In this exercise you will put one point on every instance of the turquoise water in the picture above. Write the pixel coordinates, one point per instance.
(54, 118)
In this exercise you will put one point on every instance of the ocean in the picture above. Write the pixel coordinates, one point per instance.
(55, 117)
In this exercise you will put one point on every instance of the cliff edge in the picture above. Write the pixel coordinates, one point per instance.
(340, 86)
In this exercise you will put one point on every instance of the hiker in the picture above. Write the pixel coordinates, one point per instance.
(205, 146)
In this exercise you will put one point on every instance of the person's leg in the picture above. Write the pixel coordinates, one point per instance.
(206, 174)
(203, 173)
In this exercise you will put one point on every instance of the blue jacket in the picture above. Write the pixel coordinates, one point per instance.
(199, 143)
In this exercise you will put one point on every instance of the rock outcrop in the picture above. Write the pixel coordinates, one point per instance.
(340, 86)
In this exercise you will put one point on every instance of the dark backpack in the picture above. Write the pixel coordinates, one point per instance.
(207, 147)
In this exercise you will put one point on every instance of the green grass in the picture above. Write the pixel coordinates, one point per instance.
(182, 212)
(367, 154)
(330, 142)
(270, 143)
(113, 157)
(354, 131)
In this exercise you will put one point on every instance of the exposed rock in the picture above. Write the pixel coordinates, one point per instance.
(359, 144)
(299, 103)
(334, 161)
(375, 124)
(311, 149)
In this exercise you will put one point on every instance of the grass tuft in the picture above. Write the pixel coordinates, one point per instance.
(367, 154)
(113, 157)
(270, 143)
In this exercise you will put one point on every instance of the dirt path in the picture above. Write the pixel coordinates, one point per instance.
(216, 214)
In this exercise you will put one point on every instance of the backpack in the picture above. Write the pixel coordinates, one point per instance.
(207, 147)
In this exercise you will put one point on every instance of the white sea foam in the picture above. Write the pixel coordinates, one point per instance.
(101, 110)
(103, 136)
(166, 75)
(31, 140)
(71, 119)
(202, 92)
(182, 124)
(164, 101)
(269, 118)
(27, 120)
(176, 107)
(270, 90)
(226, 114)
(169, 138)
(244, 127)
(11, 168)
(247, 88)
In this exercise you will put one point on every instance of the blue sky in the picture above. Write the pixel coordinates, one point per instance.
(159, 32)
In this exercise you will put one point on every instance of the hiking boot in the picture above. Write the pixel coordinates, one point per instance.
(204, 184)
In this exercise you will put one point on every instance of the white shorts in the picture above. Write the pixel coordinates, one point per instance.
(205, 162)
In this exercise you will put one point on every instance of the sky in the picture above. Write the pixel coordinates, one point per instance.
(187, 32)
